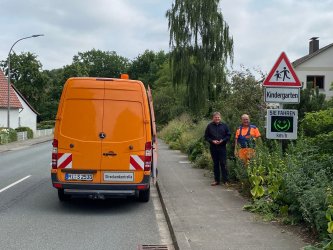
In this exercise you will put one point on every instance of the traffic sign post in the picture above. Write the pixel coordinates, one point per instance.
(281, 124)
(282, 86)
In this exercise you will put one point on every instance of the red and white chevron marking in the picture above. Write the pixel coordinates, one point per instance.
(64, 160)
(137, 162)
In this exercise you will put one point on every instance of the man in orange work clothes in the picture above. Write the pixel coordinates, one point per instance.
(246, 136)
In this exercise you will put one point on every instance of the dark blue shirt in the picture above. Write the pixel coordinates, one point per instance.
(217, 132)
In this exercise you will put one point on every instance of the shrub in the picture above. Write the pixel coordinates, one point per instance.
(204, 161)
(30, 133)
(12, 135)
(316, 123)
(7, 135)
(175, 128)
(46, 124)
(310, 173)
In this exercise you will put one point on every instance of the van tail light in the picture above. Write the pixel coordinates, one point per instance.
(55, 154)
(148, 156)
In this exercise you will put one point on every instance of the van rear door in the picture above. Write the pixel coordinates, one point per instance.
(80, 130)
(124, 126)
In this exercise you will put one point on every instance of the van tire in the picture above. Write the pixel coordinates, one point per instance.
(62, 196)
(144, 195)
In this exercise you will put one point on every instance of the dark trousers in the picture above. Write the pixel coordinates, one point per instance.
(219, 156)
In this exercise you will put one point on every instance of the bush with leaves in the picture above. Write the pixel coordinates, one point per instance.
(7, 135)
(316, 123)
(174, 130)
(310, 173)
(46, 124)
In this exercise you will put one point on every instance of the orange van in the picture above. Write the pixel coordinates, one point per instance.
(104, 140)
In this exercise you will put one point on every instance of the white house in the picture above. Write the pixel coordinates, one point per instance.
(22, 114)
(316, 67)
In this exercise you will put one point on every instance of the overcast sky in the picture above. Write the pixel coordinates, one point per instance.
(261, 29)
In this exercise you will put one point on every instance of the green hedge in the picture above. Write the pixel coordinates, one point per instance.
(7, 135)
(46, 124)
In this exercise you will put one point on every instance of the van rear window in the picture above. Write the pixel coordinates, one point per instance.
(123, 120)
(82, 119)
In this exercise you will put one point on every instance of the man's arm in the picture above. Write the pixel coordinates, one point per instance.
(227, 135)
(236, 142)
(207, 135)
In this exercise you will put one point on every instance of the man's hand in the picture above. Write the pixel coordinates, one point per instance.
(216, 142)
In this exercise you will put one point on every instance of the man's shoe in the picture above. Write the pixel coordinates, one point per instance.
(214, 183)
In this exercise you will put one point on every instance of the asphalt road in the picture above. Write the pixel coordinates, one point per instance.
(31, 217)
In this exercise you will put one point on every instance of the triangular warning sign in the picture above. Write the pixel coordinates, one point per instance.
(282, 74)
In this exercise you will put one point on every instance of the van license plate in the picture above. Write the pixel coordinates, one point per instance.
(78, 177)
(119, 176)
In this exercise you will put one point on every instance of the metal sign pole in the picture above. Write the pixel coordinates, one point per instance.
(281, 141)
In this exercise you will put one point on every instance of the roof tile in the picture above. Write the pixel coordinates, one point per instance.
(14, 101)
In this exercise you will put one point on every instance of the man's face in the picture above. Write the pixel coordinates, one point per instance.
(216, 118)
(245, 121)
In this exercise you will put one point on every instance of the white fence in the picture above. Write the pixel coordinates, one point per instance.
(43, 132)
(21, 136)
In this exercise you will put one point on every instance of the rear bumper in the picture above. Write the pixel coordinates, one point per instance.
(110, 189)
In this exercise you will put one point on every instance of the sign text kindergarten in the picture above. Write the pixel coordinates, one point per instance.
(282, 95)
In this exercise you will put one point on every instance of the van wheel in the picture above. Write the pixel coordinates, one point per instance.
(62, 196)
(144, 195)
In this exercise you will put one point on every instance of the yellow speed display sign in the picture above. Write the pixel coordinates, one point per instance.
(281, 124)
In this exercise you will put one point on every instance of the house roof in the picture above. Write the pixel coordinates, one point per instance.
(14, 102)
(25, 100)
(307, 57)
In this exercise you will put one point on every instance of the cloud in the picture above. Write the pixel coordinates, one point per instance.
(261, 29)
(126, 26)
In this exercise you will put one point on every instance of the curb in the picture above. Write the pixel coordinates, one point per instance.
(26, 143)
(40, 142)
(172, 232)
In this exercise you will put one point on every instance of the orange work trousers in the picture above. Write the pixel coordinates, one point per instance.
(245, 154)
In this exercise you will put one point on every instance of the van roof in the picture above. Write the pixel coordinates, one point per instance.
(103, 79)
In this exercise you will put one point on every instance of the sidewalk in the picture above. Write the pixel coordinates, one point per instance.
(206, 217)
(23, 144)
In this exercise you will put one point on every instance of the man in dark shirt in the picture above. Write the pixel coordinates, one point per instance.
(217, 134)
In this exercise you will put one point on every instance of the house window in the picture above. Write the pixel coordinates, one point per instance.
(316, 81)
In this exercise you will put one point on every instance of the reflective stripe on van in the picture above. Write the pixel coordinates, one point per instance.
(137, 162)
(64, 160)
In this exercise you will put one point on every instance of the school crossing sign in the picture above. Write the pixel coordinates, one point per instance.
(281, 124)
(282, 74)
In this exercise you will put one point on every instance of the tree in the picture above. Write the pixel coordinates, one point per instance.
(53, 89)
(310, 100)
(168, 104)
(200, 47)
(145, 67)
(101, 63)
(27, 76)
(244, 96)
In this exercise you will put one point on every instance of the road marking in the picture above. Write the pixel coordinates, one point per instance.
(13, 184)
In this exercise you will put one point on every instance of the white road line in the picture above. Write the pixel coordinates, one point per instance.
(13, 184)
